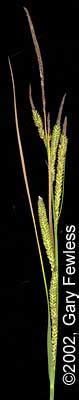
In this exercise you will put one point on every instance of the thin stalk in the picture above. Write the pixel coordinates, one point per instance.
(62, 190)
(56, 262)
(49, 193)
(26, 183)
(56, 259)
(49, 181)
(56, 266)
(55, 242)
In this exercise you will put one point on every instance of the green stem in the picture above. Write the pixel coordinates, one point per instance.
(57, 303)
(56, 260)
(51, 393)
(62, 191)
(50, 190)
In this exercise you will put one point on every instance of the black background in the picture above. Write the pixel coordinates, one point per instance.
(23, 308)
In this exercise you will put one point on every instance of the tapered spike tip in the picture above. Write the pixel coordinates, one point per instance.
(39, 198)
(60, 109)
(65, 125)
(30, 97)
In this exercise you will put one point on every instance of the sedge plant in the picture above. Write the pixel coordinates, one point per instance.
(55, 141)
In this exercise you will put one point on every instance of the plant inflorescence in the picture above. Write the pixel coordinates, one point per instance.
(55, 141)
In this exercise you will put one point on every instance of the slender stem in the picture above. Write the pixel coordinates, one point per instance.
(52, 393)
(57, 304)
(56, 260)
(26, 183)
(55, 243)
(56, 266)
(49, 181)
(62, 190)
(49, 193)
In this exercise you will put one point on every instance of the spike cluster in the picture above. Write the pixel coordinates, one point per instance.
(45, 231)
(60, 173)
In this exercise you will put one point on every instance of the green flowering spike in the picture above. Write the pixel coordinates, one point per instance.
(45, 231)
(38, 122)
(36, 118)
(55, 138)
(60, 173)
(54, 144)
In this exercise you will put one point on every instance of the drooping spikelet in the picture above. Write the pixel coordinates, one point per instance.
(53, 311)
(45, 231)
(54, 144)
(60, 173)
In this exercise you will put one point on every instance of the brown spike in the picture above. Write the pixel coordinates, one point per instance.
(37, 49)
(60, 110)
(40, 63)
